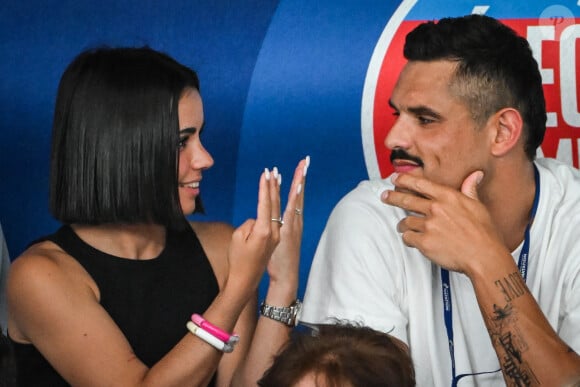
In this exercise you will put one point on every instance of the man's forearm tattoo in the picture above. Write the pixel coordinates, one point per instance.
(511, 345)
(507, 339)
(500, 314)
(512, 286)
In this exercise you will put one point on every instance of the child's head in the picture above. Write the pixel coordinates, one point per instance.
(341, 355)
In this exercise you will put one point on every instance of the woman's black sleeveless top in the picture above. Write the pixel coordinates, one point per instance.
(150, 300)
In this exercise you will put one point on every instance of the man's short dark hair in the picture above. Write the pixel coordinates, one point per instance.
(496, 69)
(115, 138)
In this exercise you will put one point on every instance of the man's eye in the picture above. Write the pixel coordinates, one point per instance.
(425, 120)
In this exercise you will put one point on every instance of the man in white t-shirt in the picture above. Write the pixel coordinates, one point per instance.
(470, 252)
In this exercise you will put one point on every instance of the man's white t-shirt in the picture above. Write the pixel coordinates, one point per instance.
(363, 272)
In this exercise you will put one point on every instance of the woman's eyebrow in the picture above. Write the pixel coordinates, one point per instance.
(187, 131)
(191, 130)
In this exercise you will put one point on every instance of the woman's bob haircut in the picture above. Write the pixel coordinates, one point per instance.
(115, 138)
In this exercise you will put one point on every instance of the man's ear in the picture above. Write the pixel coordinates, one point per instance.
(506, 130)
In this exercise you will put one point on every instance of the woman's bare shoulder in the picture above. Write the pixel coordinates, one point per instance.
(44, 275)
(40, 260)
(213, 232)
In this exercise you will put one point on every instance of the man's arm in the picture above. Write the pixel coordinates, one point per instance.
(529, 351)
(455, 230)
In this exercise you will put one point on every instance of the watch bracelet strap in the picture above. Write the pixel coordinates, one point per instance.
(287, 315)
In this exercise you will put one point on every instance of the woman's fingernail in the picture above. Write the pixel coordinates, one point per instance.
(275, 172)
(384, 195)
(306, 165)
(280, 179)
(299, 189)
(267, 173)
(394, 176)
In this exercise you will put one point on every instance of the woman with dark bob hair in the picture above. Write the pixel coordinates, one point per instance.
(341, 355)
(128, 292)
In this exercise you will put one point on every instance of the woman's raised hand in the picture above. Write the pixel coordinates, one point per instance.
(284, 265)
(254, 241)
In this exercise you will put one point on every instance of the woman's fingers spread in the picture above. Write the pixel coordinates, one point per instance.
(264, 201)
(295, 204)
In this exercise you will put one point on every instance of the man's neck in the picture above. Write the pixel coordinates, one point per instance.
(509, 199)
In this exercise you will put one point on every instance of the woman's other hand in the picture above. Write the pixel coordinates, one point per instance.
(283, 267)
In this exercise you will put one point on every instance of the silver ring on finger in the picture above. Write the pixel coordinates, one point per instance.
(278, 220)
(298, 211)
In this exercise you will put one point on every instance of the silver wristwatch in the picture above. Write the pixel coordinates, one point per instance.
(285, 314)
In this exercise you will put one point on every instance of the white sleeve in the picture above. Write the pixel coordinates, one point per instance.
(557, 226)
(569, 325)
(355, 274)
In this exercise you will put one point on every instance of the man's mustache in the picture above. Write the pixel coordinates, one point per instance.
(401, 154)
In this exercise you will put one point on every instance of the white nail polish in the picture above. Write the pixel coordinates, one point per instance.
(298, 189)
(267, 173)
(306, 165)
(279, 179)
(275, 172)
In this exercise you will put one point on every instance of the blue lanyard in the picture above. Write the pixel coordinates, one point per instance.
(446, 288)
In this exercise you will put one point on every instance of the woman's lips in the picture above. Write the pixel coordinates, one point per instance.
(192, 187)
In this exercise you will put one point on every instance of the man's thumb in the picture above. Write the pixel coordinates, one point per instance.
(469, 186)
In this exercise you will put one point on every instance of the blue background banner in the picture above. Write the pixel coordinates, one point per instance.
(219, 39)
(279, 79)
